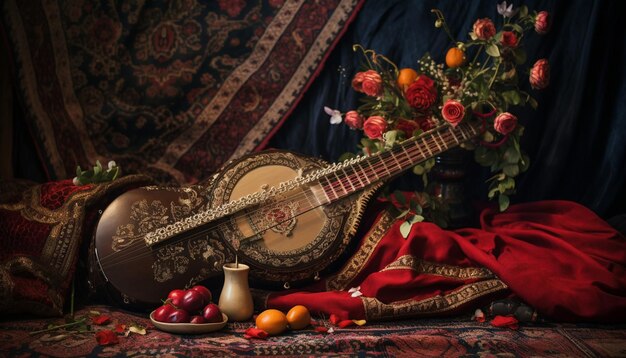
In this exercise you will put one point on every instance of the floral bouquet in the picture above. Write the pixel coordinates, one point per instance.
(479, 81)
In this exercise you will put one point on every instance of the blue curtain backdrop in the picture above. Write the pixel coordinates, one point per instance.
(576, 139)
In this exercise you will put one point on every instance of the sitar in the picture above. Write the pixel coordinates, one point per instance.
(288, 216)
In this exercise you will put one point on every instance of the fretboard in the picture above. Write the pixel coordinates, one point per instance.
(381, 166)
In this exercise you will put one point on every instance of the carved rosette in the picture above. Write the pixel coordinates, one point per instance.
(339, 222)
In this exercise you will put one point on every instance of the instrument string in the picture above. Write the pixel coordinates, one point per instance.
(378, 163)
(352, 180)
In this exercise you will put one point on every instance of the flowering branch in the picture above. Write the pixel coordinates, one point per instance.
(403, 103)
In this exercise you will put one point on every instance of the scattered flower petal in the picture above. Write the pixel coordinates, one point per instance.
(100, 320)
(120, 328)
(345, 323)
(356, 294)
(505, 321)
(354, 289)
(359, 322)
(106, 337)
(254, 332)
(321, 329)
(334, 319)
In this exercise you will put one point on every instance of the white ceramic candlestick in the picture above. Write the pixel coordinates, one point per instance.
(235, 299)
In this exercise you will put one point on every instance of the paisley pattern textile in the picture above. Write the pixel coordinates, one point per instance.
(459, 337)
(41, 230)
(172, 89)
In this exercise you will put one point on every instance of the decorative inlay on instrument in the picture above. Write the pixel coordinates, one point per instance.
(287, 216)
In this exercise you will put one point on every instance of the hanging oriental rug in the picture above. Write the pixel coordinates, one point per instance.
(172, 89)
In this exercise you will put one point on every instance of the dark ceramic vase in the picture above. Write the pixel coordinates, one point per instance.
(448, 182)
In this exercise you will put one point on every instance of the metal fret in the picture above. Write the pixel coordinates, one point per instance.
(348, 178)
(427, 147)
(437, 144)
(373, 169)
(445, 144)
(408, 155)
(345, 191)
(463, 134)
(363, 171)
(454, 135)
(332, 188)
(397, 162)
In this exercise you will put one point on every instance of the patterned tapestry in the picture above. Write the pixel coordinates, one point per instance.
(172, 89)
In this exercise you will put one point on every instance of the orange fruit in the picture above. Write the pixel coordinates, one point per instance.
(298, 317)
(272, 321)
(406, 76)
(455, 57)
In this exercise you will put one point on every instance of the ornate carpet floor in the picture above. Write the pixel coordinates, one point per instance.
(436, 337)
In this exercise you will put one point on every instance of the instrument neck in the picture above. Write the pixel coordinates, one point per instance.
(358, 174)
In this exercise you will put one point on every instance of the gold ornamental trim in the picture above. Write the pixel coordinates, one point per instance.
(375, 310)
(433, 268)
(363, 254)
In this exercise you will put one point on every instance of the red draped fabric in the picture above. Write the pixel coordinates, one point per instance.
(557, 256)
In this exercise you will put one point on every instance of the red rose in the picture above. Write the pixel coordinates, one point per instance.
(374, 127)
(484, 29)
(505, 123)
(421, 94)
(509, 38)
(407, 126)
(453, 112)
(540, 74)
(354, 120)
(542, 23)
(368, 82)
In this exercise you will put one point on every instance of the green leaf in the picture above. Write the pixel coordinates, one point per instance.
(78, 171)
(485, 157)
(519, 55)
(97, 170)
(509, 74)
(419, 170)
(405, 229)
(402, 214)
(429, 164)
(512, 97)
(390, 138)
(346, 156)
(512, 155)
(113, 174)
(523, 11)
(135, 328)
(493, 192)
(492, 50)
(511, 170)
(508, 183)
(488, 137)
(517, 28)
(525, 163)
(533, 102)
(503, 202)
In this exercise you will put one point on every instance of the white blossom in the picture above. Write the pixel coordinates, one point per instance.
(335, 115)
